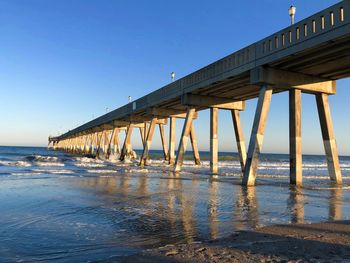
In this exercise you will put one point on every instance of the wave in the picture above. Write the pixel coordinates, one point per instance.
(54, 171)
(53, 164)
(88, 160)
(91, 165)
(15, 163)
(41, 158)
(27, 173)
(102, 171)
(141, 170)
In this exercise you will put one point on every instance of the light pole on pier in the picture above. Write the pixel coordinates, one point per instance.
(292, 10)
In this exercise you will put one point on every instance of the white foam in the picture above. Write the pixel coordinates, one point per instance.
(28, 173)
(136, 171)
(18, 163)
(92, 165)
(89, 160)
(45, 158)
(102, 171)
(23, 163)
(60, 172)
(53, 171)
(49, 164)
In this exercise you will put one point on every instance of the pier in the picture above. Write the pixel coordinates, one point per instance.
(306, 57)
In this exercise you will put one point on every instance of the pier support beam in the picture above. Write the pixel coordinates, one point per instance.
(328, 138)
(109, 149)
(94, 143)
(116, 142)
(194, 144)
(236, 119)
(105, 143)
(164, 142)
(87, 144)
(256, 139)
(214, 153)
(98, 144)
(172, 140)
(148, 141)
(184, 138)
(295, 148)
(145, 131)
(127, 144)
(142, 134)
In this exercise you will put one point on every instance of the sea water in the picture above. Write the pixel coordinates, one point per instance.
(65, 208)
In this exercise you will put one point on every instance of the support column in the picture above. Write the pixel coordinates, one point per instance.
(126, 146)
(147, 144)
(86, 145)
(172, 140)
(146, 127)
(214, 154)
(184, 139)
(109, 148)
(93, 142)
(328, 138)
(295, 148)
(98, 143)
(194, 144)
(105, 143)
(142, 134)
(236, 119)
(257, 136)
(164, 142)
(116, 142)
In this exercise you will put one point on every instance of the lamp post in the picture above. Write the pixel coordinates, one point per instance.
(292, 10)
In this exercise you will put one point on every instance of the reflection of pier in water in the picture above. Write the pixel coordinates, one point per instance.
(172, 208)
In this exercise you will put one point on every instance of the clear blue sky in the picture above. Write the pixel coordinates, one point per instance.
(63, 62)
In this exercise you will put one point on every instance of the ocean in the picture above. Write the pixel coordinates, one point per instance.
(58, 207)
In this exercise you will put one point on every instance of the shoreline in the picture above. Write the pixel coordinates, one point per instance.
(316, 242)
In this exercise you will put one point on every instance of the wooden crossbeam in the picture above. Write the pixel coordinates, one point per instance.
(211, 101)
(283, 79)
(141, 119)
(165, 112)
(125, 124)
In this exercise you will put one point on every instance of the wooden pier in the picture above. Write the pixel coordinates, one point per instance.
(307, 57)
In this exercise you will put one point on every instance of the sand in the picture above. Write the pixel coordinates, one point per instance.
(319, 242)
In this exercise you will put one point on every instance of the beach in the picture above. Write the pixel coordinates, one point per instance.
(318, 242)
(58, 207)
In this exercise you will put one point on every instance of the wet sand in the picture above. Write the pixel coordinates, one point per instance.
(318, 242)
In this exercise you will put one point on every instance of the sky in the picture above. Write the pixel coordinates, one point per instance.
(63, 63)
